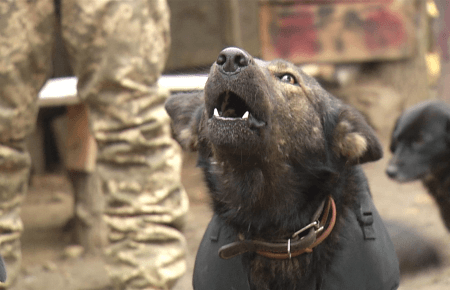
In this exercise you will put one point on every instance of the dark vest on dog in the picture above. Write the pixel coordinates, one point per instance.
(2, 270)
(366, 259)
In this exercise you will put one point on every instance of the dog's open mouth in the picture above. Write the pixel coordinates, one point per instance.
(231, 108)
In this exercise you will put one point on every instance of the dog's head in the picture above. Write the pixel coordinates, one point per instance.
(252, 111)
(420, 141)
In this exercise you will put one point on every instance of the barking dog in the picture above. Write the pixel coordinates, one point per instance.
(292, 208)
(420, 145)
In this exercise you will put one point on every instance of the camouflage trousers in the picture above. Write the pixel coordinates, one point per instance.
(117, 50)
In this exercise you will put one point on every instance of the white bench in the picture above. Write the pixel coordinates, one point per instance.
(63, 91)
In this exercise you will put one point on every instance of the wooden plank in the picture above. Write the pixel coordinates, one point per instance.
(336, 31)
(81, 149)
(322, 2)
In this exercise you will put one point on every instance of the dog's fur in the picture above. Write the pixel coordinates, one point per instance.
(420, 145)
(268, 175)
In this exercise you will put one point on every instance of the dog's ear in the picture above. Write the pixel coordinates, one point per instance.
(185, 110)
(354, 139)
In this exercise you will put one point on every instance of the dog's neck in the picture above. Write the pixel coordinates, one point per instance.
(271, 201)
(249, 197)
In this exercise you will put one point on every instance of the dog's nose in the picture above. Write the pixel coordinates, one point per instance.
(232, 59)
(392, 171)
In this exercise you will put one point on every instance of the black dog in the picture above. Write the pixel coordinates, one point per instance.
(421, 151)
(280, 157)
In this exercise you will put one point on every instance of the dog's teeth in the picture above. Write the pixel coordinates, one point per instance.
(216, 113)
(245, 115)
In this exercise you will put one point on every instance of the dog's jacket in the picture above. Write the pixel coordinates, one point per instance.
(2, 270)
(367, 260)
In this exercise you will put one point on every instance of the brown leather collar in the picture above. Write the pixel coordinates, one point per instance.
(294, 246)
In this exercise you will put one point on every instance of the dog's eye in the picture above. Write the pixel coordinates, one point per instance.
(288, 78)
(419, 141)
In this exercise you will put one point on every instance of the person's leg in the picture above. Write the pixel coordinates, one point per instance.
(118, 50)
(25, 51)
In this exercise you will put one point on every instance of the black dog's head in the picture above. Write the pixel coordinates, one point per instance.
(254, 112)
(420, 141)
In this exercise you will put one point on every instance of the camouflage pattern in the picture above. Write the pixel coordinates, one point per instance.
(25, 47)
(337, 30)
(117, 50)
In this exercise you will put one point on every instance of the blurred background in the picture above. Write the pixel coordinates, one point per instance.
(380, 56)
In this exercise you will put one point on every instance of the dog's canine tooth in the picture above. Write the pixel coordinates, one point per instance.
(216, 112)
(245, 116)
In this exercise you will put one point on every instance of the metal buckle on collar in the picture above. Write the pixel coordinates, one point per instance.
(289, 249)
(315, 224)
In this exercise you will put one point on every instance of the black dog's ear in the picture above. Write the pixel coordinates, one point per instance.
(354, 139)
(185, 110)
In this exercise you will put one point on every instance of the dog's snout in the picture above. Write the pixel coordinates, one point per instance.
(392, 171)
(232, 59)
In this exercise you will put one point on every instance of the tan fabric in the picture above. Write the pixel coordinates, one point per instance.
(25, 47)
(117, 50)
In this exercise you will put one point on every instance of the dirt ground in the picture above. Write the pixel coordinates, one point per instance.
(50, 261)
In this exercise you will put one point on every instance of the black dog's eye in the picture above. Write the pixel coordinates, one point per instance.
(421, 140)
(288, 78)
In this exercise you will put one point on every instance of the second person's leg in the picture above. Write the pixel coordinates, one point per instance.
(118, 50)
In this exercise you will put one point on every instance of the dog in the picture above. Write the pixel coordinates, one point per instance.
(280, 155)
(420, 145)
